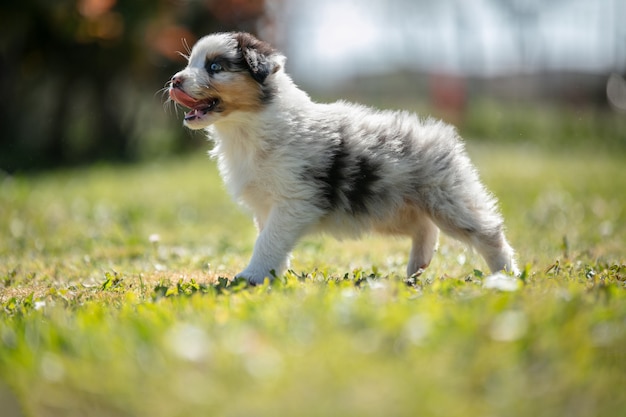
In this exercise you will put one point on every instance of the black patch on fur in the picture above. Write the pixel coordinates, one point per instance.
(364, 176)
(256, 55)
(227, 64)
(348, 181)
(268, 92)
(331, 180)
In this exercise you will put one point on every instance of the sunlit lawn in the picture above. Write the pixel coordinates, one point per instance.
(112, 303)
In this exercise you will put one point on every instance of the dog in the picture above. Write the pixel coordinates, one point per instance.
(341, 168)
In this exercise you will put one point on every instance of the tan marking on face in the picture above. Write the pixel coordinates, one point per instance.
(239, 93)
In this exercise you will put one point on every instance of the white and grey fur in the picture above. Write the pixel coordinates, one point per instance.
(340, 168)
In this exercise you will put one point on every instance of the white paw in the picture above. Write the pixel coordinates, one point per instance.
(255, 277)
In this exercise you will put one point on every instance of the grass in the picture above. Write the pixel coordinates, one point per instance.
(113, 303)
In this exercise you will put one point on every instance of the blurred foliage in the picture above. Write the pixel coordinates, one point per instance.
(79, 79)
(82, 80)
(547, 125)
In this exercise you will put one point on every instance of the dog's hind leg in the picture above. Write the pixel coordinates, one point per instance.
(425, 236)
(494, 248)
(480, 225)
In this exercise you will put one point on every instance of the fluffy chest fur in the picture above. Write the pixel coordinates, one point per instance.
(258, 168)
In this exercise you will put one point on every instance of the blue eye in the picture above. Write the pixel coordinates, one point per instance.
(215, 67)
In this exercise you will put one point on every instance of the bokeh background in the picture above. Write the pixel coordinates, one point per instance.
(82, 80)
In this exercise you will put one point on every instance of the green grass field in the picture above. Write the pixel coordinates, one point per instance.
(112, 302)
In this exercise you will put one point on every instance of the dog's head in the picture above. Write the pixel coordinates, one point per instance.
(225, 73)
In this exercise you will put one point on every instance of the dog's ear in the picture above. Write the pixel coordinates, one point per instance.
(260, 57)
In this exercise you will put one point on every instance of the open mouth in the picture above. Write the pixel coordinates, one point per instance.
(198, 108)
(201, 109)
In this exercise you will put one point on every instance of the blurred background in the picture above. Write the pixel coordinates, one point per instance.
(82, 80)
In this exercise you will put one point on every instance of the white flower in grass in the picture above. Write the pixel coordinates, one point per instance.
(503, 282)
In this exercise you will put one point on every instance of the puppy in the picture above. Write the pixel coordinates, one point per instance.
(341, 168)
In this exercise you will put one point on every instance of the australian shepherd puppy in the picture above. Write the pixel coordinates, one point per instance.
(340, 168)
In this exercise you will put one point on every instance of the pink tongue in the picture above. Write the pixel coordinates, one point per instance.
(183, 98)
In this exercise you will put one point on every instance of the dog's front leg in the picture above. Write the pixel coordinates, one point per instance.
(277, 238)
